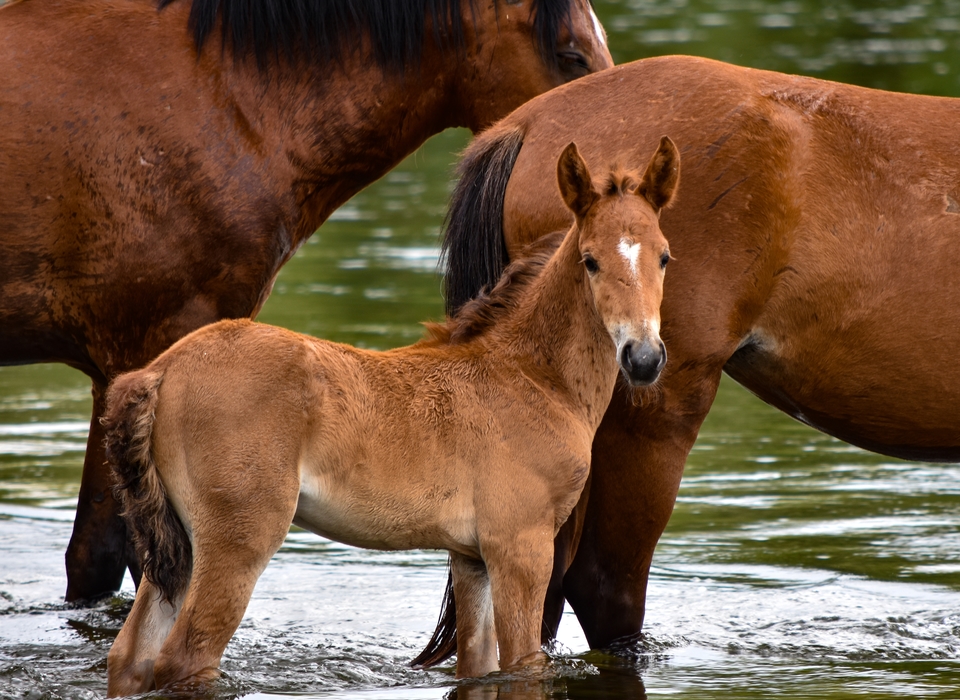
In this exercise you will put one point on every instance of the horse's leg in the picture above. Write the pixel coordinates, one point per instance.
(98, 551)
(476, 632)
(519, 573)
(131, 658)
(638, 458)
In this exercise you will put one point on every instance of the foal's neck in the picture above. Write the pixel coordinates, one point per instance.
(557, 327)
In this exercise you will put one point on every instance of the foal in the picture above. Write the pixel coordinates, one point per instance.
(475, 440)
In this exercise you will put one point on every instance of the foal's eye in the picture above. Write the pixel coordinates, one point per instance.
(591, 264)
(664, 259)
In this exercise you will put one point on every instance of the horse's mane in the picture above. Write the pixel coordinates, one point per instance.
(322, 29)
(484, 310)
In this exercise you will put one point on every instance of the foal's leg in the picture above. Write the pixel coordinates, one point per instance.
(519, 572)
(131, 658)
(564, 548)
(227, 564)
(476, 633)
(241, 507)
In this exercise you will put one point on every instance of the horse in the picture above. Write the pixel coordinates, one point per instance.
(816, 256)
(140, 203)
(475, 440)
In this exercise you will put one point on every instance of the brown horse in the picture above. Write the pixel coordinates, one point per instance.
(817, 246)
(154, 178)
(475, 440)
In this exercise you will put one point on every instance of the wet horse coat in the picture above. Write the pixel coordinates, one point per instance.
(158, 167)
(816, 244)
(476, 440)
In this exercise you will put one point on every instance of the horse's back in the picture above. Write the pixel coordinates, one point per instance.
(77, 177)
(814, 234)
(753, 123)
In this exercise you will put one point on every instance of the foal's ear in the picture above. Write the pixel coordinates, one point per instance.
(662, 175)
(576, 187)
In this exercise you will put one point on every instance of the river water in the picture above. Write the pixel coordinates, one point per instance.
(794, 564)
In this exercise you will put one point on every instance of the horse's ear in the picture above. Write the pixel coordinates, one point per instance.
(662, 176)
(576, 187)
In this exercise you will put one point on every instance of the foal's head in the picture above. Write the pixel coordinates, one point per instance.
(624, 252)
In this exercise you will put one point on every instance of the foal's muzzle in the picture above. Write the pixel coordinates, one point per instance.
(642, 362)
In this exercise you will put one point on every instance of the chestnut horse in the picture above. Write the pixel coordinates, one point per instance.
(475, 440)
(158, 166)
(817, 245)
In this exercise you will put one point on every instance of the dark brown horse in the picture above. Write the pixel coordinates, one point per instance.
(817, 246)
(159, 165)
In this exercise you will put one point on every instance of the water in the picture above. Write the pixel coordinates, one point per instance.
(794, 565)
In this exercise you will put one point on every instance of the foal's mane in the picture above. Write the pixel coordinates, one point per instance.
(484, 310)
(620, 181)
(324, 29)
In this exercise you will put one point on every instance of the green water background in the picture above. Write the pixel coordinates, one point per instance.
(794, 564)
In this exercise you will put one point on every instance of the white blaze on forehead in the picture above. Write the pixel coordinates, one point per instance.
(631, 252)
(598, 28)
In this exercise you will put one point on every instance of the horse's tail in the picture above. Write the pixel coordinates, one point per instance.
(159, 537)
(443, 643)
(473, 240)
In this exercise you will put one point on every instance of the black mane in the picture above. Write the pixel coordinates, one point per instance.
(323, 29)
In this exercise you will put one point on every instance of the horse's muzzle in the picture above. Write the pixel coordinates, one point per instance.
(642, 362)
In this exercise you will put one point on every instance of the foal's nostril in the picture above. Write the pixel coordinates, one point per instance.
(626, 354)
(642, 362)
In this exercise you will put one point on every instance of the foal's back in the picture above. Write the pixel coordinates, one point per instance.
(388, 450)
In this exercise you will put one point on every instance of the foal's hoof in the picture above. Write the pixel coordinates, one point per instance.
(535, 666)
(197, 685)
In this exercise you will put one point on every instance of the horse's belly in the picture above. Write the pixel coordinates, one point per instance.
(384, 518)
(856, 397)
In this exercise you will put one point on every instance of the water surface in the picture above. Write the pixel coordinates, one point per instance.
(794, 564)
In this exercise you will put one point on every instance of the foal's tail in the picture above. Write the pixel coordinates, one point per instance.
(476, 255)
(473, 241)
(161, 542)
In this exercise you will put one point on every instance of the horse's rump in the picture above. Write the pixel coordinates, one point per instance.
(161, 542)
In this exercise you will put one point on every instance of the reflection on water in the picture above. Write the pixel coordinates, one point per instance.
(794, 564)
(905, 46)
